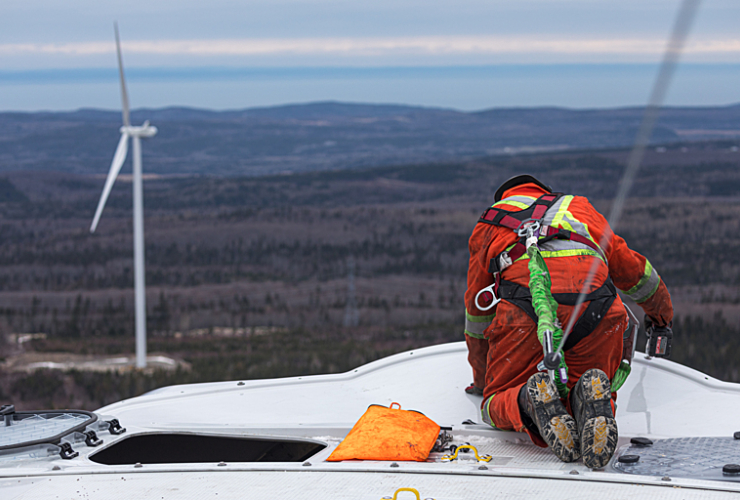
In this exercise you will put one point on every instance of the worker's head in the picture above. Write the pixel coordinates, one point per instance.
(516, 181)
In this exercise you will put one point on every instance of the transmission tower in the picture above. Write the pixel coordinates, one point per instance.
(351, 314)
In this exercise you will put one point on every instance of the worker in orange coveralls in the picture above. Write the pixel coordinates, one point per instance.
(503, 348)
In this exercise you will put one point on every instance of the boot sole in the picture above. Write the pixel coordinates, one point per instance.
(556, 426)
(599, 435)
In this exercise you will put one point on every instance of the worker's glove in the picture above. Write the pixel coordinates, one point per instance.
(475, 391)
(659, 339)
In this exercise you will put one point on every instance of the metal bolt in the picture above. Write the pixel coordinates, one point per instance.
(137, 465)
(731, 469)
(665, 478)
(394, 464)
(482, 467)
(573, 472)
(56, 467)
(307, 464)
(221, 464)
(629, 459)
(641, 441)
(240, 383)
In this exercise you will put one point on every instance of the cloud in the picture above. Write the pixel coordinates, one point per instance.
(380, 47)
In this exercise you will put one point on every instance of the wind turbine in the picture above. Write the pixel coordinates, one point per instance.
(135, 133)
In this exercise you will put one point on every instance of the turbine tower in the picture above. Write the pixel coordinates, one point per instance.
(135, 133)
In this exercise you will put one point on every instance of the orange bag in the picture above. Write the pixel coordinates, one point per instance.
(388, 434)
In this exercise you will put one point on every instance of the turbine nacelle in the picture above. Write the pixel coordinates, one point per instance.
(144, 130)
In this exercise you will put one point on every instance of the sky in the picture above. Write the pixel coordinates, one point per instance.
(465, 54)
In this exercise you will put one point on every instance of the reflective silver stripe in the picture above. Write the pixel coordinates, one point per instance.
(564, 248)
(476, 325)
(647, 286)
(565, 216)
(527, 200)
(557, 245)
(559, 215)
(485, 413)
(553, 210)
(475, 329)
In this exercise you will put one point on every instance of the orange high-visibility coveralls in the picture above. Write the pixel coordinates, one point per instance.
(503, 348)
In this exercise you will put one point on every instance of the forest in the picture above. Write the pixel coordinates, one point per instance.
(248, 277)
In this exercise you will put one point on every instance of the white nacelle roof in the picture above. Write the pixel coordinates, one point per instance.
(661, 399)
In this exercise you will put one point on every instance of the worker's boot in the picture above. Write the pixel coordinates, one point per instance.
(543, 412)
(590, 400)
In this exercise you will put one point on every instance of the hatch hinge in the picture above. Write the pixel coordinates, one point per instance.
(66, 451)
(114, 427)
(92, 439)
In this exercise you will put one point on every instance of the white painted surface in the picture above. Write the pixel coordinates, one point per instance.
(308, 485)
(660, 399)
(139, 272)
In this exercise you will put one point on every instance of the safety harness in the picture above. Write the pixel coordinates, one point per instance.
(600, 300)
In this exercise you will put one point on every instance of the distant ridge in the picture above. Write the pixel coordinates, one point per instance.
(335, 135)
(337, 109)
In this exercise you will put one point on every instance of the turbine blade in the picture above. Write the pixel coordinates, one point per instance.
(124, 92)
(118, 158)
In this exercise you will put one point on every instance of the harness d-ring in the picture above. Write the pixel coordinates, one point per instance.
(488, 289)
(526, 225)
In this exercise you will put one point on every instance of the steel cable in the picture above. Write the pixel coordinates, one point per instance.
(681, 28)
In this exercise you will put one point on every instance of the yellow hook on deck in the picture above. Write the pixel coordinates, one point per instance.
(399, 490)
(450, 458)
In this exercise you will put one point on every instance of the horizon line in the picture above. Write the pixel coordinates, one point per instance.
(368, 104)
(163, 73)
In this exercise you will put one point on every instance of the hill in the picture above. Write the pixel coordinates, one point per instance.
(332, 135)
